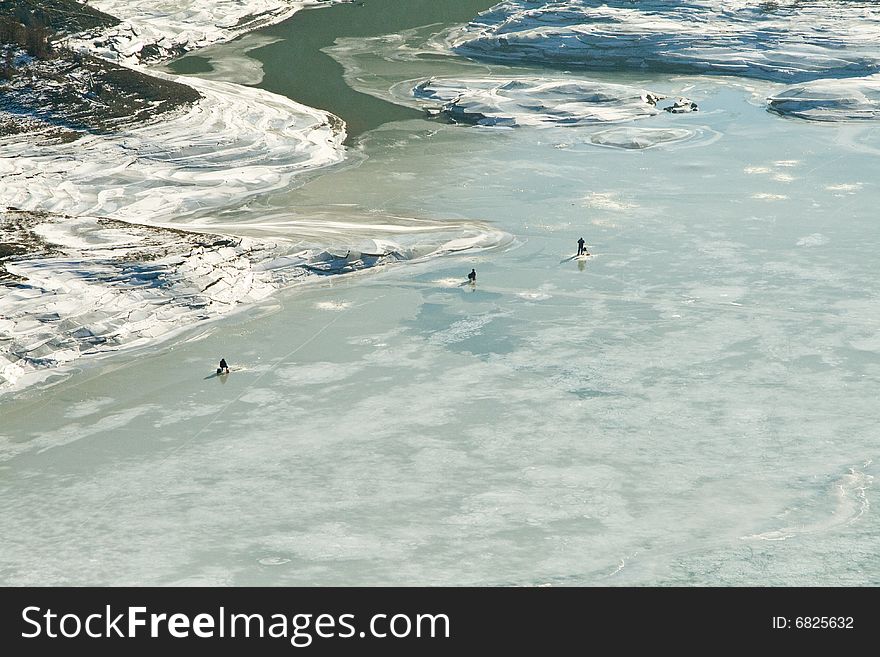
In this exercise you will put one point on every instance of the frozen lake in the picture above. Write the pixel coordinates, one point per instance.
(693, 405)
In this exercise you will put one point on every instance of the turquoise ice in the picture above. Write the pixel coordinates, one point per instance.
(694, 405)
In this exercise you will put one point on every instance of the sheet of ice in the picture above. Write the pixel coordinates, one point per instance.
(785, 42)
(830, 100)
(153, 30)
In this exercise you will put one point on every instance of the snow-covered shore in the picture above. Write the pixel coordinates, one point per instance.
(113, 273)
(830, 100)
(827, 50)
(781, 42)
(537, 102)
(153, 30)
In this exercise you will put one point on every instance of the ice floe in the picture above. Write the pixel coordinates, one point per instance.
(89, 286)
(536, 101)
(780, 41)
(830, 100)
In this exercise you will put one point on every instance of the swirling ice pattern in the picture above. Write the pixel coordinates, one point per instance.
(782, 42)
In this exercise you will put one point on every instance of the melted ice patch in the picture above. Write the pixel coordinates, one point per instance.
(462, 329)
(88, 407)
(273, 561)
(777, 171)
(320, 373)
(449, 282)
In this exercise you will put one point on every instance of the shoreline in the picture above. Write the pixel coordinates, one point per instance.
(146, 284)
(234, 144)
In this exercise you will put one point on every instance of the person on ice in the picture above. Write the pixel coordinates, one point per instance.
(472, 277)
(581, 249)
(224, 368)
